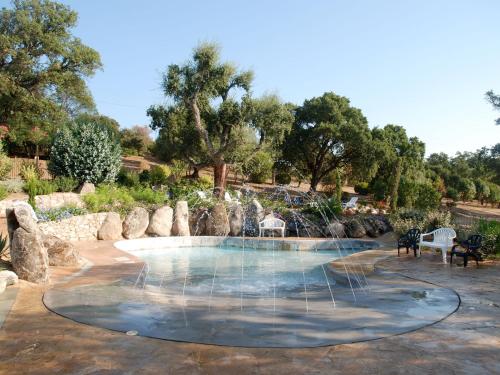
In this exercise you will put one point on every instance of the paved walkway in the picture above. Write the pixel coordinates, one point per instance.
(34, 340)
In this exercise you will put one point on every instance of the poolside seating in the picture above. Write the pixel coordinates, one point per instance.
(202, 195)
(410, 241)
(442, 239)
(272, 224)
(351, 204)
(471, 247)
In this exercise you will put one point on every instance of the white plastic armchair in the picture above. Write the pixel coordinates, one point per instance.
(442, 238)
(351, 204)
(272, 224)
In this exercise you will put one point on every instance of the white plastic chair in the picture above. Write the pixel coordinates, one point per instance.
(442, 238)
(351, 204)
(272, 224)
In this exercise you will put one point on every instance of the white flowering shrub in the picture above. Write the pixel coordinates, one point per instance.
(87, 152)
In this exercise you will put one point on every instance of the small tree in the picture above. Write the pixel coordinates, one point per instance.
(87, 152)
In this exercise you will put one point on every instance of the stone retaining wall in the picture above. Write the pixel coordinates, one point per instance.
(57, 200)
(76, 228)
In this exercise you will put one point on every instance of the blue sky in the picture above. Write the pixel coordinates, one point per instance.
(422, 64)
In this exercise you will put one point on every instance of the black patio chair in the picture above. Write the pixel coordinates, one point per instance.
(471, 247)
(410, 240)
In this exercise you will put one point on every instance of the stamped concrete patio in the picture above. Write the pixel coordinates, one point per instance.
(34, 340)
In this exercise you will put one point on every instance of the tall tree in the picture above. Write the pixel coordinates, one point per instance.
(212, 98)
(495, 102)
(42, 65)
(327, 134)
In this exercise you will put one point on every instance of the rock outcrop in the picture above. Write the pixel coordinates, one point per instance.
(198, 222)
(136, 223)
(85, 188)
(355, 229)
(335, 229)
(236, 219)
(61, 252)
(254, 215)
(160, 223)
(180, 227)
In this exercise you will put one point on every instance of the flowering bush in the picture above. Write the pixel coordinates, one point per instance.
(426, 221)
(56, 214)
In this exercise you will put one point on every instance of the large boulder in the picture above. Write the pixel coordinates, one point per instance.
(198, 222)
(160, 223)
(61, 252)
(180, 227)
(376, 225)
(3, 285)
(136, 223)
(29, 256)
(218, 221)
(22, 215)
(85, 188)
(236, 218)
(111, 228)
(9, 277)
(355, 229)
(254, 215)
(335, 229)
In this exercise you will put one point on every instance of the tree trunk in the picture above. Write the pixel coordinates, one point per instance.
(220, 179)
(196, 173)
(274, 176)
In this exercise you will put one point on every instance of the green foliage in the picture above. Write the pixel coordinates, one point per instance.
(482, 190)
(87, 152)
(129, 178)
(427, 197)
(136, 140)
(3, 193)
(452, 193)
(407, 193)
(259, 167)
(494, 195)
(5, 164)
(56, 214)
(283, 178)
(324, 209)
(328, 134)
(13, 186)
(490, 230)
(466, 189)
(34, 187)
(109, 198)
(30, 171)
(65, 184)
(44, 69)
(178, 169)
(148, 195)
(404, 219)
(158, 175)
(362, 188)
(380, 189)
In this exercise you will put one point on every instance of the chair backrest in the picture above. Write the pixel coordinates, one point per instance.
(202, 194)
(352, 201)
(413, 235)
(444, 235)
(227, 197)
(474, 241)
(272, 223)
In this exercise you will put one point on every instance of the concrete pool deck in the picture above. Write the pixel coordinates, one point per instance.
(34, 340)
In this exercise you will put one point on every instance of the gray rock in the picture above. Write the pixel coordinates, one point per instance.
(61, 252)
(85, 188)
(136, 223)
(335, 229)
(9, 277)
(254, 215)
(160, 223)
(180, 226)
(23, 214)
(236, 217)
(376, 226)
(29, 256)
(354, 229)
(198, 222)
(111, 228)
(218, 221)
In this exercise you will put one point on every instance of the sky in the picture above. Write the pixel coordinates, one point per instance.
(425, 65)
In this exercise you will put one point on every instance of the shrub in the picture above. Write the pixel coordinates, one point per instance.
(148, 195)
(427, 197)
(159, 174)
(407, 193)
(452, 193)
(362, 188)
(490, 230)
(283, 178)
(426, 221)
(145, 177)
(178, 169)
(128, 178)
(466, 189)
(3, 193)
(5, 164)
(109, 198)
(325, 209)
(30, 171)
(206, 182)
(259, 167)
(379, 189)
(35, 187)
(13, 186)
(494, 195)
(65, 184)
(87, 152)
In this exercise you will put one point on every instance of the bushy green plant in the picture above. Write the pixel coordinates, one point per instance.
(380, 189)
(494, 195)
(87, 152)
(65, 184)
(490, 230)
(30, 171)
(283, 178)
(362, 188)
(159, 175)
(5, 164)
(427, 197)
(426, 221)
(3, 193)
(407, 192)
(13, 186)
(128, 178)
(259, 167)
(178, 169)
(36, 187)
(207, 182)
(145, 177)
(324, 209)
(148, 195)
(466, 189)
(109, 198)
(452, 193)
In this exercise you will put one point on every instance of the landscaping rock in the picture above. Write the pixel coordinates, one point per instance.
(111, 228)
(9, 277)
(218, 221)
(198, 222)
(236, 217)
(160, 223)
(61, 252)
(22, 215)
(29, 256)
(3, 285)
(180, 226)
(354, 229)
(335, 229)
(136, 223)
(297, 228)
(254, 215)
(85, 188)
(376, 226)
